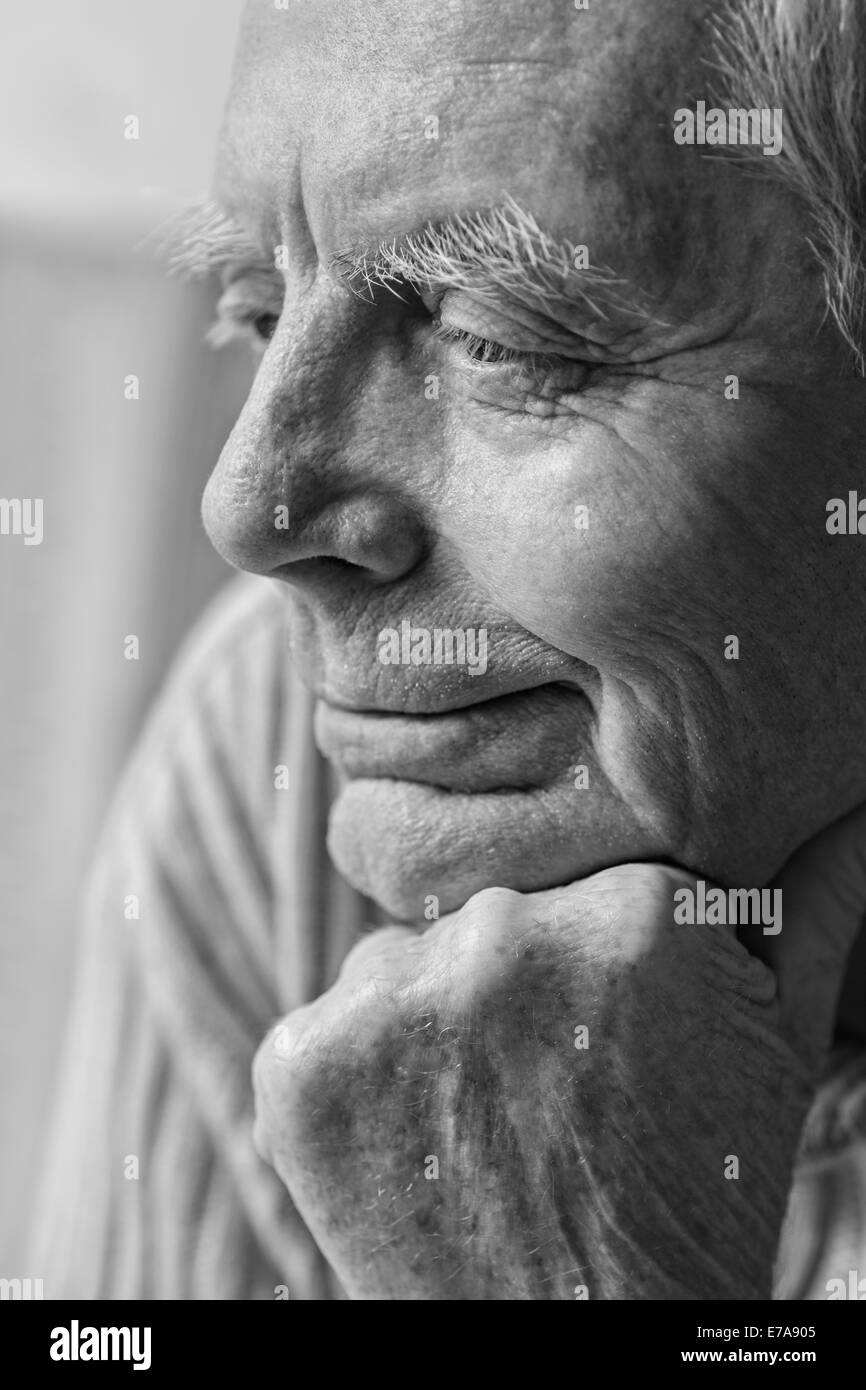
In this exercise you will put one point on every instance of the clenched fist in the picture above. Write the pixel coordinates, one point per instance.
(563, 1094)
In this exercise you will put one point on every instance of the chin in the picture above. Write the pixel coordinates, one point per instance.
(420, 851)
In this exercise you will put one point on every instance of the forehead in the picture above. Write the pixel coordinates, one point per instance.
(369, 119)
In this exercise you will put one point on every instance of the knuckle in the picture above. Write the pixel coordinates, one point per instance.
(490, 938)
(262, 1138)
(487, 919)
(493, 902)
(633, 905)
(299, 1074)
(286, 1062)
(262, 1064)
(644, 884)
(378, 955)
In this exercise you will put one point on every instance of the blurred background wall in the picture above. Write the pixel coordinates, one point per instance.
(123, 551)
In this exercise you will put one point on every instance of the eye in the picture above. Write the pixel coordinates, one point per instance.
(249, 309)
(265, 326)
(478, 349)
(526, 378)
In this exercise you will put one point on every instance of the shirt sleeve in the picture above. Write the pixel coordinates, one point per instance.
(152, 1187)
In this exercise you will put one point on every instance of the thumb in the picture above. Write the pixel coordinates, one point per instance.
(823, 901)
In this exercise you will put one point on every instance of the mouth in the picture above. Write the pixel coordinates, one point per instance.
(452, 694)
(518, 740)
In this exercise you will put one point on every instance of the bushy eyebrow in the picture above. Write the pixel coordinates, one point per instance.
(500, 249)
(203, 239)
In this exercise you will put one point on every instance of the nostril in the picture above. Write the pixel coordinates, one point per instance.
(321, 568)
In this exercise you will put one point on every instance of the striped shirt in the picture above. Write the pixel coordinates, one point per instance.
(211, 910)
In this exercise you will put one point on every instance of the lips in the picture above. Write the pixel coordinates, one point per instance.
(413, 693)
(519, 740)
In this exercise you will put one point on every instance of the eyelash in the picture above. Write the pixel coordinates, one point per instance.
(481, 350)
(541, 374)
(486, 352)
(258, 326)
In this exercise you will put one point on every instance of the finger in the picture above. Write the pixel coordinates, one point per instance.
(379, 953)
(823, 889)
(378, 958)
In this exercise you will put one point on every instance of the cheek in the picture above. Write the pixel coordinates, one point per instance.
(646, 558)
(615, 552)
(644, 540)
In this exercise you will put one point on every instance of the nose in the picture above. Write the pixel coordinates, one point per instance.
(309, 472)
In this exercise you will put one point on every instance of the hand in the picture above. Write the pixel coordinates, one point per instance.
(563, 1094)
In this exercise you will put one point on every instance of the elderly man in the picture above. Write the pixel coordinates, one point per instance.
(560, 317)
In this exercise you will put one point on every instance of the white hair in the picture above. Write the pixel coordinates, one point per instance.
(500, 248)
(808, 57)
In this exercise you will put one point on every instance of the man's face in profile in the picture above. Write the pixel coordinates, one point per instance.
(612, 469)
